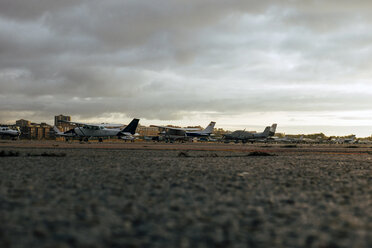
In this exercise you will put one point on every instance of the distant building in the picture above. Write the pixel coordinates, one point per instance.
(34, 130)
(147, 131)
(23, 123)
(59, 118)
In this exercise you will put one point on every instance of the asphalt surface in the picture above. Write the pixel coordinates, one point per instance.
(87, 197)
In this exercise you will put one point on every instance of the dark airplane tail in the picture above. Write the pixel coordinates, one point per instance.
(266, 132)
(132, 126)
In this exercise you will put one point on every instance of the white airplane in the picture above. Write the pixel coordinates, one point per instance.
(174, 133)
(6, 131)
(86, 131)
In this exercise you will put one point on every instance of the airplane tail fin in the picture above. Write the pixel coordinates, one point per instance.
(266, 132)
(56, 130)
(132, 126)
(273, 129)
(209, 128)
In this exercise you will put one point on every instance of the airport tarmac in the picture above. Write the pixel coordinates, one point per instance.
(144, 194)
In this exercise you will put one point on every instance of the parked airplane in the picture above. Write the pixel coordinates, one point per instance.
(244, 136)
(174, 133)
(350, 140)
(285, 139)
(6, 131)
(293, 140)
(85, 131)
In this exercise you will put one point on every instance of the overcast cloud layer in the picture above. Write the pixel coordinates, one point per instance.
(237, 62)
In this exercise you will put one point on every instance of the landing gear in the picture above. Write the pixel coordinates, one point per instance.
(86, 139)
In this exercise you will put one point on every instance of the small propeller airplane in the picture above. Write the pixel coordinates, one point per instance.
(86, 131)
(6, 131)
(245, 136)
(180, 133)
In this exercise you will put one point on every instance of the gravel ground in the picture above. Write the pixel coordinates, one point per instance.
(160, 198)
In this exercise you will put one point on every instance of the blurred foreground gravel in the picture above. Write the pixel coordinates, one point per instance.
(133, 198)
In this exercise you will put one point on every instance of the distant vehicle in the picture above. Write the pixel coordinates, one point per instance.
(148, 138)
(86, 131)
(311, 141)
(287, 139)
(350, 140)
(296, 140)
(6, 131)
(365, 142)
(244, 136)
(170, 134)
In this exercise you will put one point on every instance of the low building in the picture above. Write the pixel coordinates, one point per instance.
(38, 131)
(147, 131)
(23, 123)
(59, 118)
(31, 130)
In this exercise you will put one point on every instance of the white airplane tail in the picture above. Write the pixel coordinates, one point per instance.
(273, 127)
(56, 130)
(209, 128)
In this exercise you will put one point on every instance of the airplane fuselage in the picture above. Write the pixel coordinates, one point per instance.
(243, 135)
(191, 134)
(5, 131)
(91, 131)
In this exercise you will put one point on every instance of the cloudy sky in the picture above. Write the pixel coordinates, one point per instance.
(245, 64)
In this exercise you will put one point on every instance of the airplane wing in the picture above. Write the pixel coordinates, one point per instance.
(171, 128)
(93, 125)
(110, 125)
(178, 128)
(77, 123)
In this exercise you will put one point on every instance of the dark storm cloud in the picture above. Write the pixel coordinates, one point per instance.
(160, 59)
